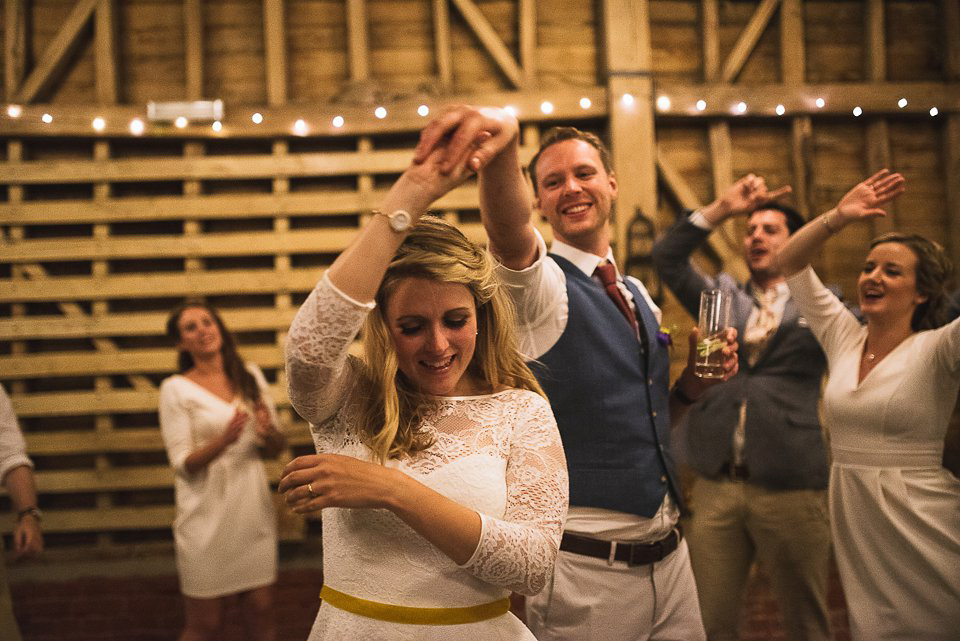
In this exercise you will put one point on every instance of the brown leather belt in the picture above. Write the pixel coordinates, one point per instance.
(631, 553)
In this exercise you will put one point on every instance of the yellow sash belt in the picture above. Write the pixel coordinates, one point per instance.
(417, 616)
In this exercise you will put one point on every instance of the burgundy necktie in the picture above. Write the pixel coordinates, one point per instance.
(608, 276)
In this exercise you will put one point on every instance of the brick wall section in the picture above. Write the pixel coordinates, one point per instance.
(149, 609)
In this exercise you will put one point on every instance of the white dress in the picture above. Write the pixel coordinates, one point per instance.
(894, 508)
(225, 529)
(499, 454)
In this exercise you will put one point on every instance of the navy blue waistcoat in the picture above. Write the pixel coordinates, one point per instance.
(610, 401)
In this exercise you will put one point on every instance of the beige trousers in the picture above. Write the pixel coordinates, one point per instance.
(734, 524)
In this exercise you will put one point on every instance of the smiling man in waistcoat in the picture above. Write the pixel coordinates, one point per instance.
(755, 441)
(623, 571)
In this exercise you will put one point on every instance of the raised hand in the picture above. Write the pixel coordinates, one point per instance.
(864, 200)
(743, 196)
(470, 136)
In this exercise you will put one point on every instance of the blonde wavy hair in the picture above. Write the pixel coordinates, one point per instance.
(435, 250)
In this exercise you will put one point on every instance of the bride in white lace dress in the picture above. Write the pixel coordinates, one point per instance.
(439, 468)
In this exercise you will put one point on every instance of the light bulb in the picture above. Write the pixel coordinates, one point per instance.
(180, 122)
(902, 103)
(546, 107)
(47, 118)
(741, 107)
(257, 118)
(137, 127)
(820, 103)
(14, 111)
(217, 126)
(300, 127)
(423, 111)
(663, 103)
(857, 111)
(380, 112)
(338, 121)
(99, 124)
(585, 103)
(701, 105)
(934, 111)
(780, 110)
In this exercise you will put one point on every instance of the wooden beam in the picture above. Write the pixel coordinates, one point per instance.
(710, 35)
(950, 11)
(275, 39)
(359, 49)
(58, 52)
(792, 48)
(721, 164)
(441, 43)
(629, 56)
(193, 46)
(878, 157)
(528, 40)
(492, 42)
(14, 45)
(687, 197)
(748, 40)
(105, 37)
(801, 161)
(951, 162)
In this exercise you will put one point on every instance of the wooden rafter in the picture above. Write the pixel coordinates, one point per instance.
(275, 40)
(709, 33)
(528, 40)
(58, 52)
(878, 131)
(441, 43)
(107, 81)
(492, 42)
(793, 63)
(748, 40)
(359, 49)
(193, 36)
(876, 45)
(14, 45)
(721, 164)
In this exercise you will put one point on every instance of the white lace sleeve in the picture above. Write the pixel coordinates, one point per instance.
(518, 551)
(319, 372)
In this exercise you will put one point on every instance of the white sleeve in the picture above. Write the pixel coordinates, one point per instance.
(829, 319)
(175, 426)
(518, 551)
(13, 449)
(539, 294)
(319, 372)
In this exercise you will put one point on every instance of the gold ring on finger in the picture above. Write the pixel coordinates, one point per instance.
(310, 490)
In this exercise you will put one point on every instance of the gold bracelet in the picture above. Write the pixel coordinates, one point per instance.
(826, 223)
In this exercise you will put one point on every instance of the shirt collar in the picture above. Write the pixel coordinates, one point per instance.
(584, 261)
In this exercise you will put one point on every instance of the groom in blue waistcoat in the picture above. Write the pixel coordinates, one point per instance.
(623, 571)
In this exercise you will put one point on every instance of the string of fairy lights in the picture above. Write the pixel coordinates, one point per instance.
(302, 127)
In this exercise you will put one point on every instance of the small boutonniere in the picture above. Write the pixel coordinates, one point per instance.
(663, 336)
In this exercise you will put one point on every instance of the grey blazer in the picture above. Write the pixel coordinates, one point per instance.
(784, 446)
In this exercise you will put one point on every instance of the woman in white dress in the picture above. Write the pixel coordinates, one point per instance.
(439, 462)
(894, 509)
(217, 419)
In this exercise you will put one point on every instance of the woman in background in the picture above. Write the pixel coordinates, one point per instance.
(217, 419)
(894, 508)
(439, 468)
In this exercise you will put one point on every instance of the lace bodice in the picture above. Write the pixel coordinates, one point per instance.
(499, 454)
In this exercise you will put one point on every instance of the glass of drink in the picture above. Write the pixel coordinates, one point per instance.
(714, 319)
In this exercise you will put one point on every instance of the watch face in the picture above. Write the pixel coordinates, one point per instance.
(400, 220)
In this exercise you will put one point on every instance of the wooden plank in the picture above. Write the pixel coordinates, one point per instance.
(492, 42)
(141, 439)
(275, 43)
(57, 53)
(876, 43)
(627, 48)
(442, 48)
(710, 34)
(106, 519)
(123, 362)
(721, 164)
(359, 47)
(748, 40)
(527, 10)
(132, 324)
(206, 207)
(228, 281)
(14, 45)
(193, 43)
(792, 48)
(105, 49)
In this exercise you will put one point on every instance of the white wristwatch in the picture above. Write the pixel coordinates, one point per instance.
(400, 220)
